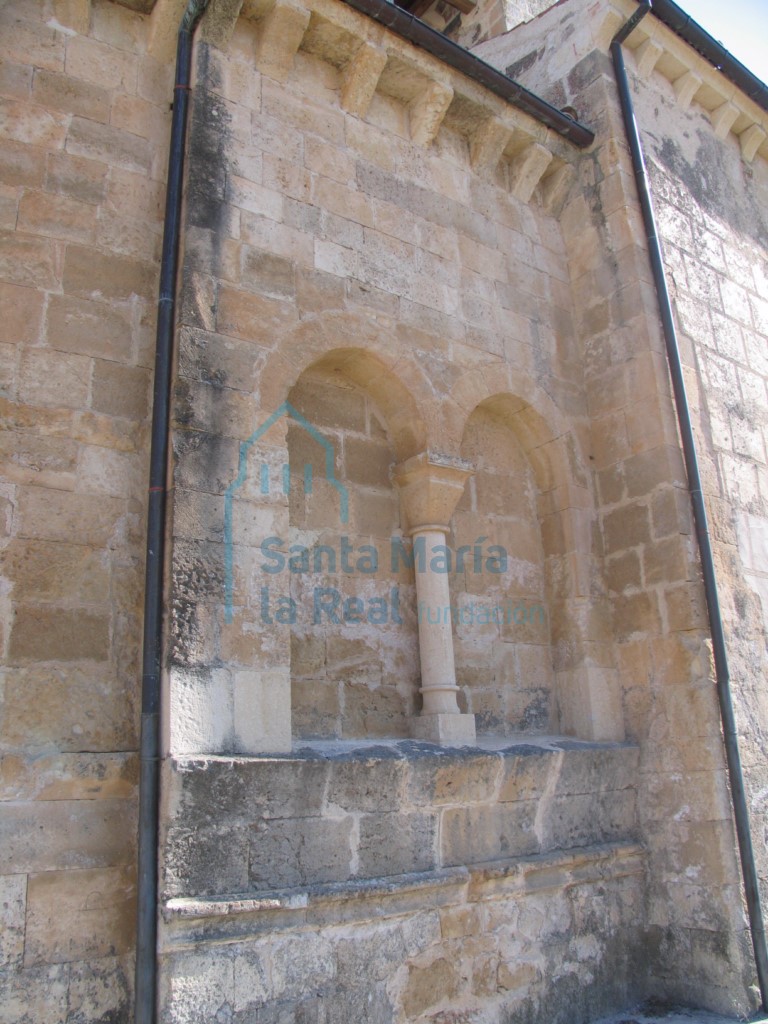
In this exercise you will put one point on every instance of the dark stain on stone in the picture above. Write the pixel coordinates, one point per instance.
(711, 184)
(209, 139)
(183, 409)
(519, 67)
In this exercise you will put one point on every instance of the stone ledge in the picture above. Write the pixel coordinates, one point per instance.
(237, 917)
(313, 895)
(345, 815)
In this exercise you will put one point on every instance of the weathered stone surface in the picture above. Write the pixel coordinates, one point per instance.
(393, 844)
(13, 895)
(79, 915)
(417, 267)
(290, 852)
(67, 834)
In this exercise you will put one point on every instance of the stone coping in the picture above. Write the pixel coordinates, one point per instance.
(674, 1016)
(520, 745)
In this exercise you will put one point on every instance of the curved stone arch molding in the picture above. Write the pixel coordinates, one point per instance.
(367, 353)
(587, 691)
(540, 421)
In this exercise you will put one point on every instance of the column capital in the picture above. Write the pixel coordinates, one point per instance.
(430, 487)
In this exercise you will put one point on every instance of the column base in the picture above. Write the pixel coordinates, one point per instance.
(447, 730)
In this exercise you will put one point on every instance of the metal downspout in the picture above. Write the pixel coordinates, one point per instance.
(146, 915)
(733, 759)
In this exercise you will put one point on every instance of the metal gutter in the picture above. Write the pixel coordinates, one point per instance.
(149, 781)
(683, 25)
(690, 455)
(455, 56)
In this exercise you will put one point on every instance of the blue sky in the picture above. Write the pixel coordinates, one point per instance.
(740, 25)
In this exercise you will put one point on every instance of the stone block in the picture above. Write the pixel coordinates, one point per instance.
(205, 462)
(526, 772)
(27, 260)
(588, 768)
(666, 561)
(42, 461)
(15, 80)
(217, 359)
(53, 378)
(361, 78)
(65, 706)
(71, 95)
(315, 709)
(626, 527)
(13, 894)
(90, 60)
(281, 33)
(33, 125)
(302, 963)
(68, 777)
(448, 730)
(267, 273)
(79, 915)
(253, 318)
(586, 819)
(371, 955)
(91, 274)
(369, 780)
(229, 791)
(429, 985)
(38, 995)
(252, 977)
(109, 145)
(205, 861)
(377, 711)
(635, 613)
(120, 390)
(671, 512)
(453, 777)
(101, 989)
(67, 834)
(291, 852)
(22, 314)
(73, 518)
(623, 572)
(473, 835)
(367, 463)
(302, 113)
(50, 634)
(21, 164)
(262, 710)
(395, 844)
(197, 985)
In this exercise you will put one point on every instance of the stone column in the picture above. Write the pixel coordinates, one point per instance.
(430, 487)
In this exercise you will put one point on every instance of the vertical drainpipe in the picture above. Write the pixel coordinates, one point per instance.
(722, 673)
(145, 999)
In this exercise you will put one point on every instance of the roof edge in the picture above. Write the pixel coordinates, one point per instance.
(417, 32)
(707, 46)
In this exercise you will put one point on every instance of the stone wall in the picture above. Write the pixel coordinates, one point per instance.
(403, 883)
(82, 164)
(381, 252)
(325, 237)
(388, 274)
(710, 193)
(658, 609)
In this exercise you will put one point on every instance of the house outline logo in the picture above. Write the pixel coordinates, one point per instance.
(286, 409)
